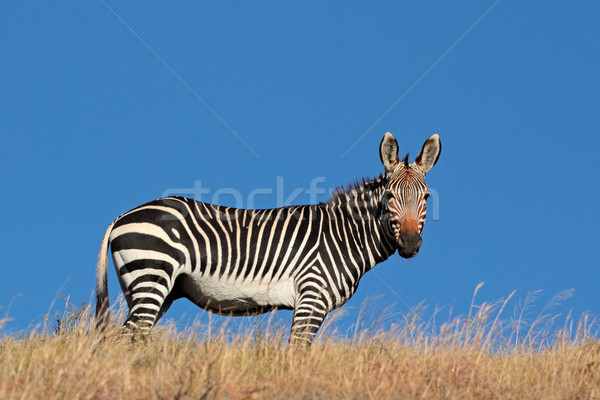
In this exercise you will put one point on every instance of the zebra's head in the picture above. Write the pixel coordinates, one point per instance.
(404, 202)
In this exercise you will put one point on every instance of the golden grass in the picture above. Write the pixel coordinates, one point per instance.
(478, 357)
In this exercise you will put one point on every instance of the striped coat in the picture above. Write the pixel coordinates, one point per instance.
(230, 261)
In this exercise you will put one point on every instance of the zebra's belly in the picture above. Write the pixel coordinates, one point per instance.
(224, 295)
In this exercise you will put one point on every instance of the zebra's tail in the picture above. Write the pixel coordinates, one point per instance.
(102, 301)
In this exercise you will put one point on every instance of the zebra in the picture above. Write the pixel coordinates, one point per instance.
(230, 261)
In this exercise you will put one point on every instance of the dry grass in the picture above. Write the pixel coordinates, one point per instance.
(479, 357)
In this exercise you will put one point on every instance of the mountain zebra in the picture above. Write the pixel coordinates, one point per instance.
(230, 261)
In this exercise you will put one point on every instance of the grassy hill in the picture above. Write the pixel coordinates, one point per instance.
(462, 358)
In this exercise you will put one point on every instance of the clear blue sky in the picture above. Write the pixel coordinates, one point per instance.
(103, 110)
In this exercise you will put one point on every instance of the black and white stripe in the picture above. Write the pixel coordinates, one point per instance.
(242, 262)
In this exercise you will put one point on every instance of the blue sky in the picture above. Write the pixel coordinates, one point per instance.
(107, 105)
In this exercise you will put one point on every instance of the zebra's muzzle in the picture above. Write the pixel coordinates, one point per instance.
(409, 244)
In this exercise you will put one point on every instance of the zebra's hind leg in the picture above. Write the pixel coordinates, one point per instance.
(148, 304)
(309, 313)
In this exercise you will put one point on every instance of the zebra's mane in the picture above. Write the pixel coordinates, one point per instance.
(360, 186)
(405, 160)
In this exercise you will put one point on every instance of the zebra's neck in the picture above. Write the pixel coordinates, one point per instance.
(358, 208)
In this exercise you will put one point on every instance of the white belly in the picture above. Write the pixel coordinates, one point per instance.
(229, 295)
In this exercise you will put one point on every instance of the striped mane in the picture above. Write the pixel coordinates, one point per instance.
(344, 193)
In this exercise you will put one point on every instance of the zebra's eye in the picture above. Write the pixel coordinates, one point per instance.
(426, 196)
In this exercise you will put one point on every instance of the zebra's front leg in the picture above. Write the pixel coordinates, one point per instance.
(309, 313)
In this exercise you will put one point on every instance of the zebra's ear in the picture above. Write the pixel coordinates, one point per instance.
(388, 151)
(429, 154)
